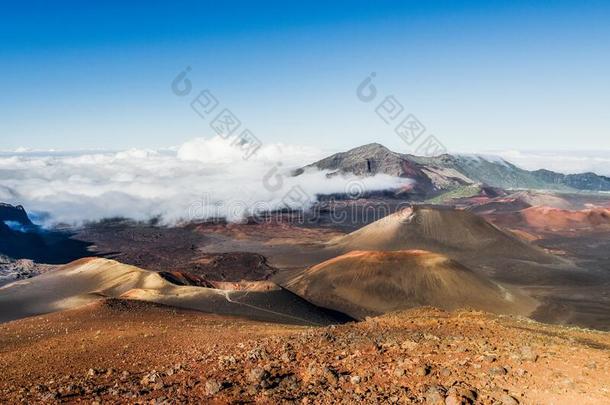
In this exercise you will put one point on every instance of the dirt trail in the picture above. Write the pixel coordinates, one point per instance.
(227, 295)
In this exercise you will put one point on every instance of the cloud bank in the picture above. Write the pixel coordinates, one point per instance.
(200, 179)
(570, 162)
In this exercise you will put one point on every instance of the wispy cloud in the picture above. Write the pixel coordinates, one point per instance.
(142, 183)
(568, 162)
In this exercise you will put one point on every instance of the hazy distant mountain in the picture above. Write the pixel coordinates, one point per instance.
(21, 239)
(446, 172)
(372, 159)
(15, 215)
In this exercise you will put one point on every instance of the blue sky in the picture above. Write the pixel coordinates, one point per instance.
(479, 75)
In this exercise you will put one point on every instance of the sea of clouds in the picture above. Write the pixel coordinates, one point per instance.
(568, 162)
(202, 178)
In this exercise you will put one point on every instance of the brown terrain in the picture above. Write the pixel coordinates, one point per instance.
(89, 280)
(118, 351)
(264, 311)
(556, 221)
(450, 231)
(365, 283)
(567, 275)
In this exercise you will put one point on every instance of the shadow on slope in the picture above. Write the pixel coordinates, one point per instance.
(21, 239)
(88, 280)
(367, 283)
(467, 238)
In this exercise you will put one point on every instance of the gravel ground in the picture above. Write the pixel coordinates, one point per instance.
(127, 352)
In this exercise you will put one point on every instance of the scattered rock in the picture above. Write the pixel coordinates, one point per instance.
(288, 354)
(399, 372)
(409, 345)
(422, 371)
(257, 354)
(459, 395)
(498, 371)
(150, 378)
(226, 361)
(212, 387)
(435, 394)
(330, 375)
(353, 363)
(257, 375)
(290, 383)
(528, 354)
(508, 400)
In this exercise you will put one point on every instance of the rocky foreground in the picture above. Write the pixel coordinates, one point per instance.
(128, 352)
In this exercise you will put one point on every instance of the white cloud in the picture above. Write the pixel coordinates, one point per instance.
(201, 178)
(560, 161)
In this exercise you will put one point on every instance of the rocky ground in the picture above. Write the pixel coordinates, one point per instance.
(128, 352)
(11, 269)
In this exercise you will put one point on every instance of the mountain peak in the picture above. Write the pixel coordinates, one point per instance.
(370, 147)
(10, 213)
(367, 160)
(451, 172)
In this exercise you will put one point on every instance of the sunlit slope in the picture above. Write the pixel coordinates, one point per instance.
(88, 280)
(440, 230)
(363, 283)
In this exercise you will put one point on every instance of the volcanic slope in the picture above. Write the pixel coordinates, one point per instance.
(468, 239)
(87, 280)
(121, 351)
(442, 230)
(521, 200)
(563, 221)
(368, 283)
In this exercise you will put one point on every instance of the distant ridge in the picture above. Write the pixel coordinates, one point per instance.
(21, 239)
(447, 172)
(17, 214)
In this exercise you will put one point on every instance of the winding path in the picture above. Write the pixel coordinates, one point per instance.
(227, 295)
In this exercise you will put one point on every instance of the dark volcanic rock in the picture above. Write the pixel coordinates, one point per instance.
(28, 241)
(232, 266)
(180, 278)
(14, 214)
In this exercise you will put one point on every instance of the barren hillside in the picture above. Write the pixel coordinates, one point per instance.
(365, 283)
(133, 352)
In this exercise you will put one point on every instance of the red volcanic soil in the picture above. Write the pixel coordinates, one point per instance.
(555, 219)
(535, 222)
(117, 351)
